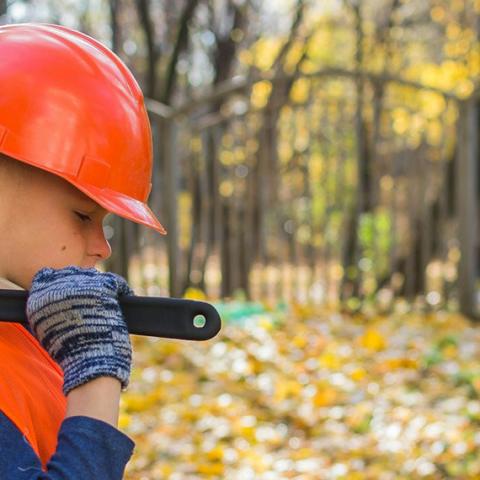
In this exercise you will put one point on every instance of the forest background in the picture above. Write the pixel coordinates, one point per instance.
(316, 168)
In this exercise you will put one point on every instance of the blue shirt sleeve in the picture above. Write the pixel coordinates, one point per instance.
(86, 448)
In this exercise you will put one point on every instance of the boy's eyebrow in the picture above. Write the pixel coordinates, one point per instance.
(81, 197)
(90, 204)
(94, 206)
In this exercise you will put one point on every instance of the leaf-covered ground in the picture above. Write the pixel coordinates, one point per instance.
(303, 393)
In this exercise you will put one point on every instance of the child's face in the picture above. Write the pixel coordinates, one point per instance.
(39, 227)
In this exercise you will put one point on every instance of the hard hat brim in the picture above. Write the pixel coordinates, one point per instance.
(122, 205)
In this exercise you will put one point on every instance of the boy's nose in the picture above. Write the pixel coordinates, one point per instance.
(99, 245)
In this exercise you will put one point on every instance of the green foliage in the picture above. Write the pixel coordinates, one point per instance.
(375, 235)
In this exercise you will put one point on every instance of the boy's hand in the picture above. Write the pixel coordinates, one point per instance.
(75, 314)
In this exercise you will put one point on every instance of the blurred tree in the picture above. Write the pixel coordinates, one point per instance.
(180, 44)
(153, 53)
(114, 25)
(367, 135)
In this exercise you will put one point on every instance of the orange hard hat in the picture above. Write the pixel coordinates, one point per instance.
(70, 106)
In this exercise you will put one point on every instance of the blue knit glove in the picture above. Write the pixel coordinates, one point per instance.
(74, 313)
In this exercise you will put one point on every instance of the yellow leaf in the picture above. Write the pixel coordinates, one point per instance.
(432, 104)
(299, 341)
(401, 120)
(247, 432)
(260, 93)
(226, 188)
(325, 396)
(302, 311)
(124, 420)
(287, 388)
(396, 363)
(330, 360)
(194, 294)
(264, 51)
(465, 88)
(453, 30)
(162, 470)
(215, 454)
(358, 374)
(134, 402)
(373, 340)
(293, 56)
(265, 323)
(210, 468)
(299, 91)
(302, 453)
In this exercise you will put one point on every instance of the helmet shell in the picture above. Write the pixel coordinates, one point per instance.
(70, 106)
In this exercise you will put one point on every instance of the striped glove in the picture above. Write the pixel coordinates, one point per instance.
(74, 313)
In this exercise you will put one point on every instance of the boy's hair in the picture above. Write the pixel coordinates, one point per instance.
(7, 163)
(5, 160)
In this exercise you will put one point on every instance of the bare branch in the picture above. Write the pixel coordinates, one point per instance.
(143, 8)
(181, 43)
(241, 84)
(226, 46)
(293, 33)
(114, 4)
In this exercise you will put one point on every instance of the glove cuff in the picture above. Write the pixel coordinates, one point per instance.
(74, 379)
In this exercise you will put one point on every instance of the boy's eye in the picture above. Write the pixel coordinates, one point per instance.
(84, 218)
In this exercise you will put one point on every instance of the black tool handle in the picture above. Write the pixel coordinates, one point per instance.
(153, 316)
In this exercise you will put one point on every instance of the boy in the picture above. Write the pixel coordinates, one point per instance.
(75, 145)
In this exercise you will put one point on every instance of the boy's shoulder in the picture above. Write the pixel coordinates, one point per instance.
(31, 394)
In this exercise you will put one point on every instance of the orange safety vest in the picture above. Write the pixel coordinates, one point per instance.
(31, 393)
